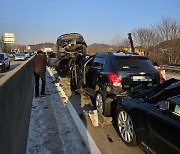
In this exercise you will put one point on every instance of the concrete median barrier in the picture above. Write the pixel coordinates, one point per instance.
(16, 94)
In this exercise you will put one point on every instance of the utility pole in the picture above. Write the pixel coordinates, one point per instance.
(131, 42)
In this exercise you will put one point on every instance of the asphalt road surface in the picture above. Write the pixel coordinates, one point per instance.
(105, 135)
(13, 65)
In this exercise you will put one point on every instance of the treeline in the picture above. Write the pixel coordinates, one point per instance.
(161, 42)
(41, 46)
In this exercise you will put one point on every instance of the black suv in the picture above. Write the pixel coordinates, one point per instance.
(106, 75)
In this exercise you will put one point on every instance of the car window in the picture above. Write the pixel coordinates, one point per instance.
(89, 62)
(174, 105)
(99, 61)
(128, 64)
(1, 57)
(163, 105)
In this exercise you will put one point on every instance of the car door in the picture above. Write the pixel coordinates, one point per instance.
(164, 126)
(93, 72)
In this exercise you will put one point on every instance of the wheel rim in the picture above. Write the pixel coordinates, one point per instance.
(99, 103)
(125, 126)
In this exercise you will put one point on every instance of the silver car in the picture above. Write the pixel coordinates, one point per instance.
(20, 56)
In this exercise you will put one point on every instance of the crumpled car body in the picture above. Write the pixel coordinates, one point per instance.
(151, 118)
(68, 45)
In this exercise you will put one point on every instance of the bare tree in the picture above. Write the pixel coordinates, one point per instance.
(168, 30)
(146, 38)
(120, 42)
(116, 41)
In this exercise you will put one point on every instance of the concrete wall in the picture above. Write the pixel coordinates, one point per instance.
(16, 94)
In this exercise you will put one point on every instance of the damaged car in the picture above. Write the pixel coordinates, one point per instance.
(151, 118)
(69, 46)
(106, 75)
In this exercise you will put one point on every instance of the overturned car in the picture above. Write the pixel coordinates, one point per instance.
(69, 46)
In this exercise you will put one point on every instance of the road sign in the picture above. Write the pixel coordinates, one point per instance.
(9, 38)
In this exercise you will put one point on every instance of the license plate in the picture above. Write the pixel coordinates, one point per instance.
(141, 78)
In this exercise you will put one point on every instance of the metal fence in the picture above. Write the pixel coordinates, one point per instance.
(173, 68)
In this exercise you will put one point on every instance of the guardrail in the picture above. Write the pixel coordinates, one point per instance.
(173, 68)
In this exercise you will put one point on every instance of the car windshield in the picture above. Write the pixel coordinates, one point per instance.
(132, 64)
(1, 57)
(20, 54)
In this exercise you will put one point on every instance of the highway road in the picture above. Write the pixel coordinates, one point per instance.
(13, 65)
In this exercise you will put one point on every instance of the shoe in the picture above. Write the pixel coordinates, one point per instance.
(43, 94)
(36, 96)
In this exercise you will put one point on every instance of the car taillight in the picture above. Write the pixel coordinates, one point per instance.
(161, 78)
(160, 67)
(114, 80)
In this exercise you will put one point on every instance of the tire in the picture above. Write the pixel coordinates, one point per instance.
(73, 80)
(76, 78)
(99, 101)
(125, 128)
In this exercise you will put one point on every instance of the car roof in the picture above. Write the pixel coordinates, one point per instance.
(118, 54)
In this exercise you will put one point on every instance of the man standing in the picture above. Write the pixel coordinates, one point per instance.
(39, 68)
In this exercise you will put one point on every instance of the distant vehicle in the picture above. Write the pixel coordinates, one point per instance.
(12, 54)
(151, 118)
(4, 62)
(27, 54)
(31, 53)
(20, 56)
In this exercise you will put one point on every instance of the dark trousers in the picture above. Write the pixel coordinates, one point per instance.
(43, 79)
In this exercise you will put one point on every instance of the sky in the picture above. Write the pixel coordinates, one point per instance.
(42, 21)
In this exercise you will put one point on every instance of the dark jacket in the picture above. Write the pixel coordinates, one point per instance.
(39, 63)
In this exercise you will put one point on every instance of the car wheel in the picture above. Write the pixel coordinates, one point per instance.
(73, 79)
(76, 81)
(99, 101)
(125, 128)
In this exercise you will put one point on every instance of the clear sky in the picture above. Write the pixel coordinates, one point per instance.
(40, 21)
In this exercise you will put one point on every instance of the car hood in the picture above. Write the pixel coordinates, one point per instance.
(156, 92)
(166, 92)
